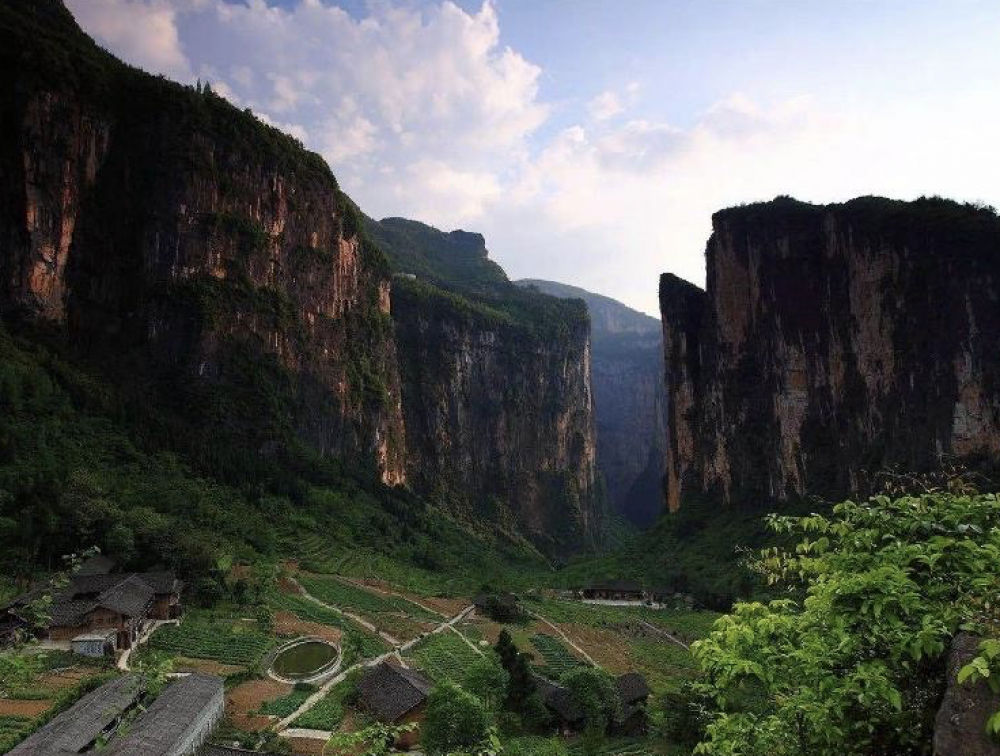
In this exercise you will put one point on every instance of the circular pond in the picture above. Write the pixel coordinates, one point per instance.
(305, 659)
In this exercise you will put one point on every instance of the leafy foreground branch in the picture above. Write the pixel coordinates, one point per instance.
(852, 662)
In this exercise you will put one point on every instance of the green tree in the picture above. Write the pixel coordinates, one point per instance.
(852, 661)
(487, 679)
(521, 682)
(455, 720)
(595, 694)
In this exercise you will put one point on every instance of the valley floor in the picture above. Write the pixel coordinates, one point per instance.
(373, 620)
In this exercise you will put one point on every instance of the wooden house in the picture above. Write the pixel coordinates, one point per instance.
(98, 602)
(633, 692)
(613, 590)
(395, 695)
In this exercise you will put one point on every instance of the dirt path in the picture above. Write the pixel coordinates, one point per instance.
(661, 632)
(566, 638)
(387, 592)
(392, 641)
(318, 696)
(468, 643)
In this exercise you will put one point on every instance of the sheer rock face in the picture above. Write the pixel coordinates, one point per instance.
(141, 233)
(831, 343)
(629, 401)
(960, 725)
(499, 422)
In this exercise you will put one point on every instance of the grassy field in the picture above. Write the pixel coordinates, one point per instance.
(686, 624)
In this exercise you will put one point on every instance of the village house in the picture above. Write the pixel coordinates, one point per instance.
(613, 590)
(633, 692)
(177, 723)
(395, 695)
(566, 712)
(96, 605)
(502, 606)
(77, 729)
(569, 717)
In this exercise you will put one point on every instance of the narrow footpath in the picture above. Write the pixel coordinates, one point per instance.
(283, 726)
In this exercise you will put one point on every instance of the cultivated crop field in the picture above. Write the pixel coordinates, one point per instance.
(329, 712)
(357, 642)
(443, 656)
(558, 659)
(12, 731)
(614, 747)
(363, 601)
(213, 639)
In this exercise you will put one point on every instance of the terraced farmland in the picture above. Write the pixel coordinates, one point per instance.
(285, 705)
(443, 657)
(203, 639)
(328, 713)
(316, 554)
(357, 641)
(556, 656)
(12, 731)
(362, 601)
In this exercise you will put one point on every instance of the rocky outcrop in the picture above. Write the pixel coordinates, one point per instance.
(960, 725)
(163, 226)
(832, 342)
(216, 274)
(629, 401)
(496, 392)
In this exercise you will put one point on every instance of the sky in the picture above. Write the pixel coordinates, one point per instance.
(591, 141)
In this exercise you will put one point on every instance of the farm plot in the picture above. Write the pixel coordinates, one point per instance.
(356, 641)
(329, 712)
(287, 704)
(218, 640)
(557, 658)
(12, 731)
(444, 657)
(369, 603)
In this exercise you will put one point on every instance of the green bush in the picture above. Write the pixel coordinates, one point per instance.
(851, 663)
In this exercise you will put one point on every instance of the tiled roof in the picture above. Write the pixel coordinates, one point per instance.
(97, 565)
(171, 717)
(559, 700)
(91, 585)
(390, 692)
(68, 613)
(129, 597)
(77, 727)
(632, 687)
(160, 582)
(625, 586)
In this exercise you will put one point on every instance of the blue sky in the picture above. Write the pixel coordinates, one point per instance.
(591, 141)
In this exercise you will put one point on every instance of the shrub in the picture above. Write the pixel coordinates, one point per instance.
(851, 663)
(456, 720)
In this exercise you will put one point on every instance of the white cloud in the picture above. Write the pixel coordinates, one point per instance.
(605, 105)
(422, 112)
(143, 33)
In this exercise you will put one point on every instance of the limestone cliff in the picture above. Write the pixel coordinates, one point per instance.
(496, 388)
(193, 246)
(832, 342)
(629, 401)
